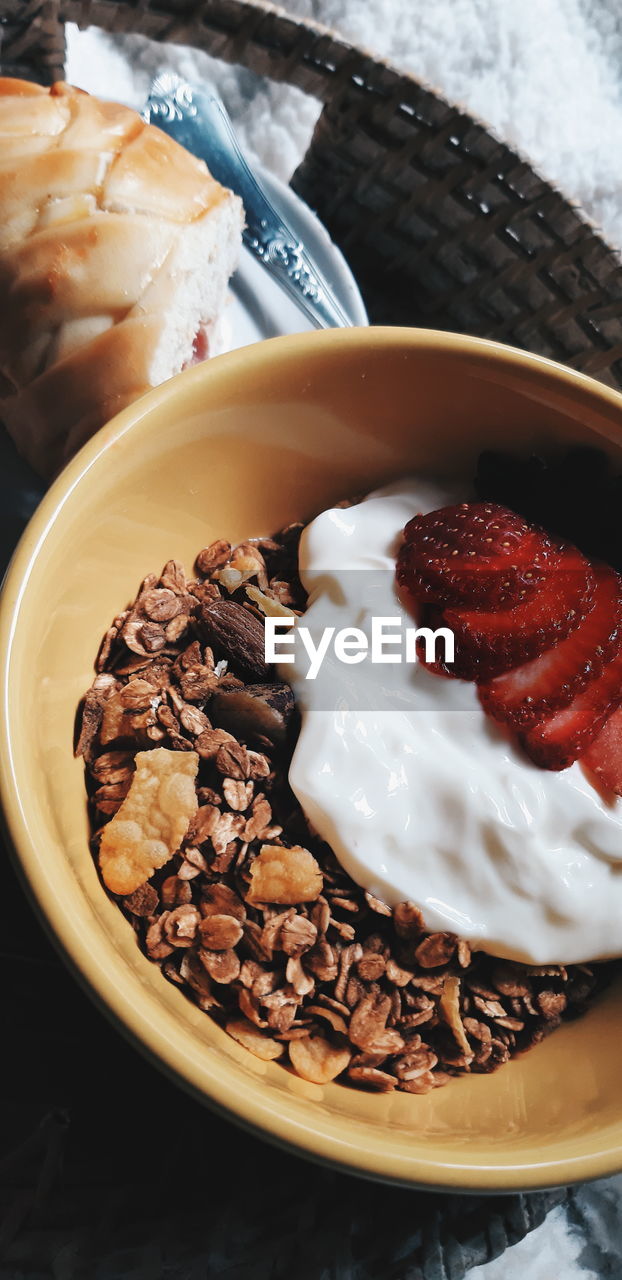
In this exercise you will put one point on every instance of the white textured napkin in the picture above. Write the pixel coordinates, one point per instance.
(545, 74)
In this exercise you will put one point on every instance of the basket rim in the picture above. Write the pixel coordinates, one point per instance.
(74, 10)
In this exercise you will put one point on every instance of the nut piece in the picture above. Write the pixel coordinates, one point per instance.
(238, 634)
(262, 710)
(252, 1038)
(317, 1060)
(152, 821)
(286, 876)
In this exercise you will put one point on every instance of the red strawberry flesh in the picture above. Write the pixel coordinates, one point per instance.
(490, 643)
(534, 690)
(477, 554)
(604, 756)
(542, 633)
(559, 740)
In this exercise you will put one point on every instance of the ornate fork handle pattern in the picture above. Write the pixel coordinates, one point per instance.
(197, 118)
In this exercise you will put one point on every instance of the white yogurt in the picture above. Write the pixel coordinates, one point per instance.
(421, 796)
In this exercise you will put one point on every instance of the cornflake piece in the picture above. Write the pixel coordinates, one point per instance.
(286, 876)
(317, 1060)
(152, 821)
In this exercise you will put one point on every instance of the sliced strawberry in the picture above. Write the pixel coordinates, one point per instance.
(604, 756)
(554, 743)
(478, 554)
(490, 643)
(531, 692)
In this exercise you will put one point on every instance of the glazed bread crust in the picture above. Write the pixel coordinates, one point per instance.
(116, 249)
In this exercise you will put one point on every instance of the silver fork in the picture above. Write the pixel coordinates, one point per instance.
(197, 118)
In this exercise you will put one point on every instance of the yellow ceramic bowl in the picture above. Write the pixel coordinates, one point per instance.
(233, 448)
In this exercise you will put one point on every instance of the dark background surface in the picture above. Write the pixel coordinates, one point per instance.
(109, 1170)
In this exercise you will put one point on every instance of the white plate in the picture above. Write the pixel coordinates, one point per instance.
(259, 308)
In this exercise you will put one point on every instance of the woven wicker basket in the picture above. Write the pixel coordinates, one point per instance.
(443, 225)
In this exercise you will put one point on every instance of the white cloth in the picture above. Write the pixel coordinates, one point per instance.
(546, 75)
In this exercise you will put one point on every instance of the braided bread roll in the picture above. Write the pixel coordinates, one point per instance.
(116, 249)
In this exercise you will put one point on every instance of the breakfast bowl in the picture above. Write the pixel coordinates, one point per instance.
(235, 449)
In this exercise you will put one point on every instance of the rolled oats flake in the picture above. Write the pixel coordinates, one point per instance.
(297, 935)
(220, 932)
(318, 1060)
(181, 925)
(222, 966)
(372, 1078)
(247, 1034)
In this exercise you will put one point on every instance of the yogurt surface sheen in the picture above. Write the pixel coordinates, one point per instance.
(419, 793)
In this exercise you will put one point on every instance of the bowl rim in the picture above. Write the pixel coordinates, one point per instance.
(316, 1141)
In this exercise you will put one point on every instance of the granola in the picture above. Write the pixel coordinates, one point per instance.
(241, 904)
(152, 819)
